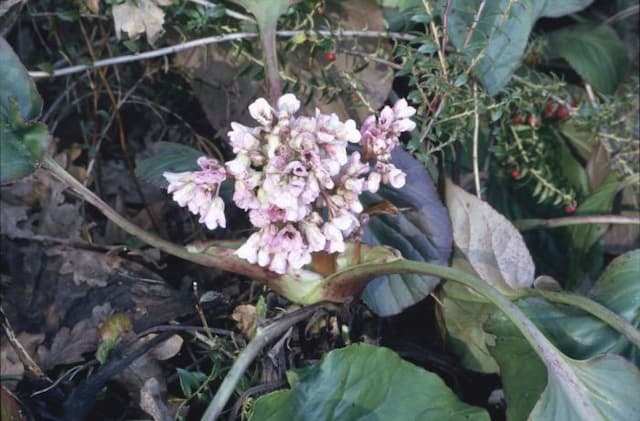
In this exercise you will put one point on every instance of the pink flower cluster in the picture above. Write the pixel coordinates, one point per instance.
(198, 191)
(295, 178)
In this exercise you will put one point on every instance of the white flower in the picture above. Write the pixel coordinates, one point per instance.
(261, 111)
(288, 104)
(214, 216)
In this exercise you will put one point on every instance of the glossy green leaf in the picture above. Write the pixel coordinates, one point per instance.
(16, 83)
(575, 333)
(490, 243)
(421, 231)
(595, 52)
(365, 382)
(523, 374)
(602, 388)
(618, 289)
(498, 42)
(580, 335)
(22, 141)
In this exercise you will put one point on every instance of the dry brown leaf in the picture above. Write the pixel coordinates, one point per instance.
(245, 317)
(147, 366)
(167, 349)
(10, 364)
(138, 17)
(152, 402)
(69, 345)
(93, 5)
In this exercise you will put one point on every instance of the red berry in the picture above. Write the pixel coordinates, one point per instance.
(534, 120)
(550, 110)
(569, 209)
(515, 174)
(330, 57)
(533, 59)
(517, 119)
(562, 113)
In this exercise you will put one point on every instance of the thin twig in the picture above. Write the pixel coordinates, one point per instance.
(592, 96)
(371, 57)
(445, 26)
(434, 32)
(623, 14)
(529, 224)
(476, 133)
(263, 337)
(211, 40)
(144, 56)
(433, 119)
(472, 29)
(22, 353)
(498, 27)
(543, 91)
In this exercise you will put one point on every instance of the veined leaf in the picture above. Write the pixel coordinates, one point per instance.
(364, 381)
(490, 243)
(22, 140)
(501, 33)
(574, 389)
(595, 52)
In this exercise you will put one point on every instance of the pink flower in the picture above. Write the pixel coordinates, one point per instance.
(242, 138)
(335, 241)
(198, 191)
(288, 171)
(212, 214)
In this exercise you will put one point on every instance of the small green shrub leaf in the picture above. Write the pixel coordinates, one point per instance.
(364, 381)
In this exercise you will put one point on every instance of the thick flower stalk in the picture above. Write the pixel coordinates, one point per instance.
(296, 179)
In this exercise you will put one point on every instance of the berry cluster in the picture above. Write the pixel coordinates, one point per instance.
(296, 179)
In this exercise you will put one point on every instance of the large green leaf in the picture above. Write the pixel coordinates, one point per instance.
(595, 52)
(22, 141)
(501, 33)
(15, 82)
(522, 372)
(421, 231)
(364, 382)
(578, 335)
(602, 388)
